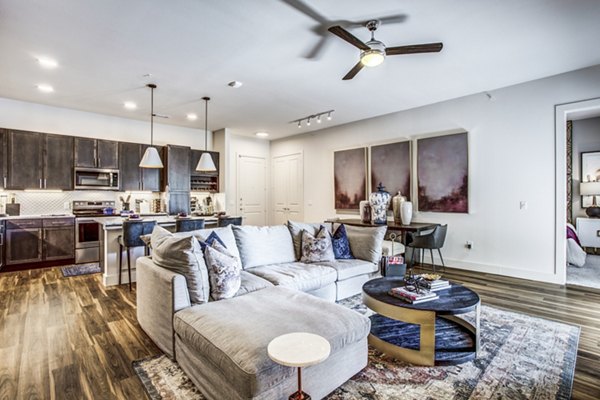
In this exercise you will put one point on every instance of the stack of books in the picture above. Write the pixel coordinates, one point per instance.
(438, 284)
(411, 296)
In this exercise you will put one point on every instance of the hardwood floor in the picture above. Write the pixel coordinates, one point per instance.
(71, 338)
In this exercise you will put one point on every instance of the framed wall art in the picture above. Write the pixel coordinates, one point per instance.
(590, 172)
(390, 165)
(350, 178)
(443, 173)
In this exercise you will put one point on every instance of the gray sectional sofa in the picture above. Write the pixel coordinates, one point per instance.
(221, 345)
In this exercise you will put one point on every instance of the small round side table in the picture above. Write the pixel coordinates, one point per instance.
(299, 349)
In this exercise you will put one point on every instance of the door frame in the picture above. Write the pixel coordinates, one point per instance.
(238, 156)
(271, 202)
(562, 112)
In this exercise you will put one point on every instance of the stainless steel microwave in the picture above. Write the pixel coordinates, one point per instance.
(97, 179)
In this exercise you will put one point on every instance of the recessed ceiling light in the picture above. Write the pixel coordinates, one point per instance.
(191, 117)
(46, 62)
(130, 105)
(235, 84)
(262, 134)
(45, 88)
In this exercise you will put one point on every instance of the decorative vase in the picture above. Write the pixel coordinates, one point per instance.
(380, 202)
(365, 211)
(406, 210)
(397, 201)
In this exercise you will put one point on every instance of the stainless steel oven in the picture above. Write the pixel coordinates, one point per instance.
(88, 230)
(97, 179)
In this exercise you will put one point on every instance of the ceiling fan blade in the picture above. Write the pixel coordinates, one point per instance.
(390, 19)
(317, 50)
(306, 10)
(348, 37)
(355, 70)
(415, 48)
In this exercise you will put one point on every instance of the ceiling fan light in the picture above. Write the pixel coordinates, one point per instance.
(372, 58)
(151, 159)
(206, 163)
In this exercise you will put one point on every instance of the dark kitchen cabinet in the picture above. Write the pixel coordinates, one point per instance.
(132, 176)
(58, 239)
(195, 157)
(3, 159)
(179, 202)
(58, 162)
(203, 181)
(177, 165)
(25, 160)
(96, 153)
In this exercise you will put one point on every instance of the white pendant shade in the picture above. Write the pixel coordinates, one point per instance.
(151, 159)
(206, 163)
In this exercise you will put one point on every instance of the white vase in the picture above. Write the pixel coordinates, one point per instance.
(406, 210)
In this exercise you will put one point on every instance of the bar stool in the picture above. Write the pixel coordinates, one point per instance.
(229, 221)
(132, 230)
(189, 224)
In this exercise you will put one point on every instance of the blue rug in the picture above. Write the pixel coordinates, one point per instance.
(81, 269)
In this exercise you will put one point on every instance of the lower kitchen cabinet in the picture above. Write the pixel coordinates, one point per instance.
(36, 240)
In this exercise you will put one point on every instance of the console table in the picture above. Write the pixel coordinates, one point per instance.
(391, 225)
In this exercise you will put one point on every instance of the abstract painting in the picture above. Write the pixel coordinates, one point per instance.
(350, 178)
(590, 172)
(443, 173)
(390, 165)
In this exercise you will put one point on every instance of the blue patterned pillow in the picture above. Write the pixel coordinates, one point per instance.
(341, 245)
(210, 239)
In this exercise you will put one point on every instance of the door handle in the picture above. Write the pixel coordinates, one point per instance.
(45, 184)
(40, 183)
(5, 182)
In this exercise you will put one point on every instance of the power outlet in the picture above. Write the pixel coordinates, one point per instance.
(66, 206)
(469, 244)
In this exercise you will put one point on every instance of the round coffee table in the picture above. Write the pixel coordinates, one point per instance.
(299, 349)
(428, 333)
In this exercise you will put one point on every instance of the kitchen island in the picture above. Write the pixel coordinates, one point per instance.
(111, 229)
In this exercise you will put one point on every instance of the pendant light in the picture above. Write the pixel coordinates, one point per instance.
(151, 159)
(206, 163)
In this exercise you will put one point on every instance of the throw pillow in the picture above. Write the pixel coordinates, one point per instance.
(296, 229)
(366, 242)
(316, 248)
(341, 245)
(213, 237)
(224, 271)
(182, 255)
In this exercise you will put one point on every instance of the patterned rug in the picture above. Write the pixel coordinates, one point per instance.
(80, 269)
(521, 357)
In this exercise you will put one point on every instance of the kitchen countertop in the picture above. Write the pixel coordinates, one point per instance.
(36, 216)
(165, 220)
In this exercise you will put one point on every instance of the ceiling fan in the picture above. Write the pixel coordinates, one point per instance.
(374, 52)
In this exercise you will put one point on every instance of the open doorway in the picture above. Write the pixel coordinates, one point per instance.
(579, 157)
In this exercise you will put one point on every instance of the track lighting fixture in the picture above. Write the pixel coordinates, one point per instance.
(316, 116)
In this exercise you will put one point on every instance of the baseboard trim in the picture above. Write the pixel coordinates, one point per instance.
(505, 271)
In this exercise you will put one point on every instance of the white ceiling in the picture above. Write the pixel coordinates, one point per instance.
(193, 48)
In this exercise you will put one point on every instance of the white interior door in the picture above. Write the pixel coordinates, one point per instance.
(287, 188)
(252, 190)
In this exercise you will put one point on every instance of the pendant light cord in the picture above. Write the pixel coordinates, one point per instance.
(206, 99)
(151, 116)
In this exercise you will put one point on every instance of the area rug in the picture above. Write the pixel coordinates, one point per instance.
(588, 275)
(80, 269)
(521, 357)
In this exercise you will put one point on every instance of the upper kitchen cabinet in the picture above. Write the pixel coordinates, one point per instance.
(58, 162)
(96, 153)
(3, 159)
(177, 168)
(132, 177)
(39, 161)
(204, 181)
(25, 160)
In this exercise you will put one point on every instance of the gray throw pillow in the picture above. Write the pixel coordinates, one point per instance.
(224, 272)
(184, 256)
(366, 242)
(317, 248)
(296, 229)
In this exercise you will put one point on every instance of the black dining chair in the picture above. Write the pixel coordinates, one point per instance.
(131, 237)
(229, 221)
(432, 240)
(188, 225)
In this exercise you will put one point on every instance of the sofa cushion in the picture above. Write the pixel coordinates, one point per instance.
(223, 271)
(296, 229)
(263, 245)
(233, 335)
(366, 242)
(296, 275)
(350, 268)
(340, 244)
(225, 234)
(251, 283)
(182, 254)
(316, 248)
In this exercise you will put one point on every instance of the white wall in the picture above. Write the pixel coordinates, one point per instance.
(512, 159)
(586, 137)
(15, 114)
